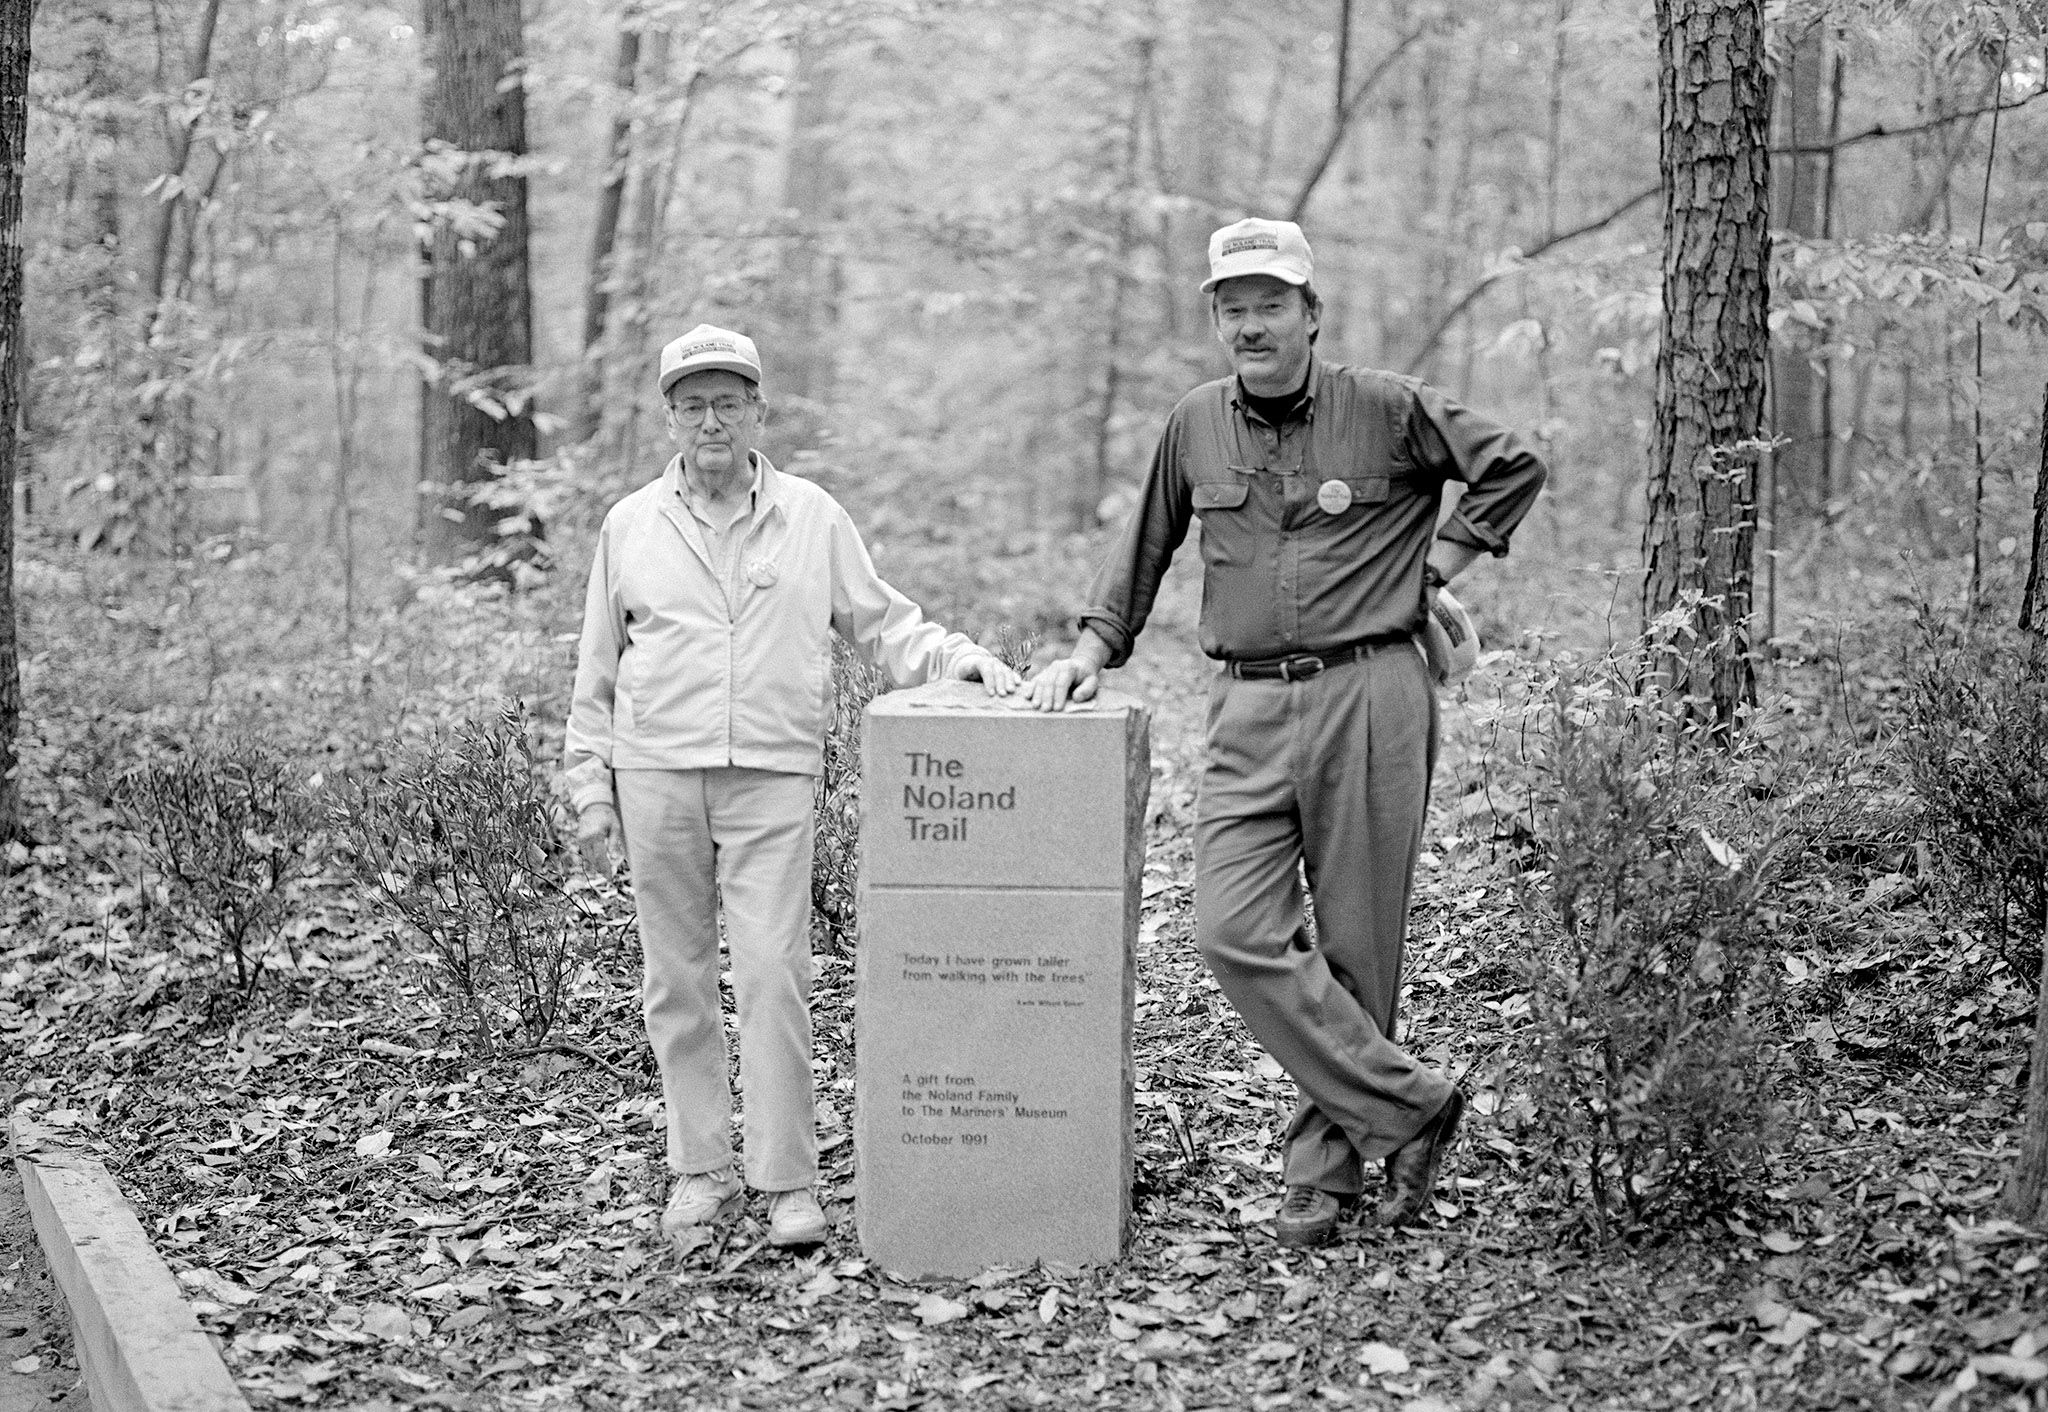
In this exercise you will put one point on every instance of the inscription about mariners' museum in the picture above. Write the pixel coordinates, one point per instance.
(940, 798)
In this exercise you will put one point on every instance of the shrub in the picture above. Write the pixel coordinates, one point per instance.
(459, 841)
(1651, 1074)
(1976, 744)
(227, 827)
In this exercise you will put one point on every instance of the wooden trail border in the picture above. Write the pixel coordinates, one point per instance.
(138, 1345)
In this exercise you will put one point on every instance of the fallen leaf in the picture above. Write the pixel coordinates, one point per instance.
(374, 1144)
(1383, 1360)
(1797, 1325)
(937, 1309)
(2016, 1370)
(1049, 1306)
(1782, 1242)
(32, 1363)
(1277, 1352)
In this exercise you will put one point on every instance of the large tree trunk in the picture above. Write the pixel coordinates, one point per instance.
(2026, 1194)
(806, 297)
(1714, 99)
(1799, 203)
(605, 234)
(476, 416)
(14, 47)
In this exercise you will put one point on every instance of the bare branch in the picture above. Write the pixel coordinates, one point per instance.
(1346, 111)
(1486, 282)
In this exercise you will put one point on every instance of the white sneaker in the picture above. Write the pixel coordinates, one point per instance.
(794, 1218)
(701, 1199)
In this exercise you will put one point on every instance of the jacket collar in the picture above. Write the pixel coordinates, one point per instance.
(766, 491)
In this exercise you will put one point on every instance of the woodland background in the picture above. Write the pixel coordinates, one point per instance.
(304, 486)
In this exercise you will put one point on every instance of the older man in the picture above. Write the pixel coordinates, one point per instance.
(703, 693)
(1319, 488)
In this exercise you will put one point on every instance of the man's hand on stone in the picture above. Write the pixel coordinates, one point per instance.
(597, 836)
(988, 669)
(1068, 679)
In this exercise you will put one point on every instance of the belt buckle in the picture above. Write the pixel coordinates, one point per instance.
(1301, 668)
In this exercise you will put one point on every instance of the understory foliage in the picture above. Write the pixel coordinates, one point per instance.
(227, 827)
(835, 853)
(1976, 743)
(458, 840)
(1648, 980)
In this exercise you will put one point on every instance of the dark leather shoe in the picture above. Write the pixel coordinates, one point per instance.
(1307, 1216)
(1411, 1171)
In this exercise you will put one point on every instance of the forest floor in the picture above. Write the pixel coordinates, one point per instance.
(368, 1213)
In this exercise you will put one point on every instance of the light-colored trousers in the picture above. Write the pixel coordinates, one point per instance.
(1332, 772)
(741, 838)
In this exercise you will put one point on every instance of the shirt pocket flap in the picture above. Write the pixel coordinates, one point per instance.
(1220, 495)
(1367, 490)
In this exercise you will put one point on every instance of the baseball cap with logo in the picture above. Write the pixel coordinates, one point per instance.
(1449, 640)
(706, 347)
(1255, 247)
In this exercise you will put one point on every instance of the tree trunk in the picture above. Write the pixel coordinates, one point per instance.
(14, 49)
(604, 238)
(1798, 200)
(476, 417)
(1714, 100)
(806, 297)
(2026, 1194)
(1093, 482)
(2034, 599)
(171, 202)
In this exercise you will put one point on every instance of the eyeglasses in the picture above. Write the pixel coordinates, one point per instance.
(729, 409)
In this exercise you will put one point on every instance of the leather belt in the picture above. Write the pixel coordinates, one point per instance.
(1303, 665)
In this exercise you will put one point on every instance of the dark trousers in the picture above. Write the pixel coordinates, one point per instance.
(1332, 772)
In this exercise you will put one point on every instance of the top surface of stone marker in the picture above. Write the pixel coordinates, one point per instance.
(948, 802)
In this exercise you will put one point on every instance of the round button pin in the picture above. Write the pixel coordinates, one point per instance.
(1334, 496)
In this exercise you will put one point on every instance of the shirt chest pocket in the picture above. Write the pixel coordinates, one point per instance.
(1220, 495)
(1363, 490)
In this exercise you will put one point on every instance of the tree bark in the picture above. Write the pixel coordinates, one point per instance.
(476, 416)
(1798, 201)
(174, 170)
(1093, 482)
(806, 298)
(604, 238)
(2034, 599)
(2026, 1192)
(1714, 92)
(14, 51)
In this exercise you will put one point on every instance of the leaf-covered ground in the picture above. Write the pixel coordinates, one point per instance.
(368, 1213)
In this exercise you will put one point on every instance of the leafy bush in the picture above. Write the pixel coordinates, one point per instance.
(1976, 743)
(835, 854)
(459, 841)
(1652, 1079)
(227, 827)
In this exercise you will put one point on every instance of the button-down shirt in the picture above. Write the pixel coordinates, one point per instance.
(1314, 534)
(674, 672)
(719, 525)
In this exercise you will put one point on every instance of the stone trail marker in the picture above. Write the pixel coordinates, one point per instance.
(1001, 857)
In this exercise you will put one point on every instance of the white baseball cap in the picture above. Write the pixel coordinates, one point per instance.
(1256, 247)
(1449, 640)
(706, 347)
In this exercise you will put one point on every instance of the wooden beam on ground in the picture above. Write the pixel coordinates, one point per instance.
(137, 1342)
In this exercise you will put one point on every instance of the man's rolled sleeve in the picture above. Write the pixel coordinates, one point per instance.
(1120, 599)
(1501, 472)
(881, 624)
(587, 745)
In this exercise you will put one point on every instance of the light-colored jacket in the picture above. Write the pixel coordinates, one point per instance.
(673, 675)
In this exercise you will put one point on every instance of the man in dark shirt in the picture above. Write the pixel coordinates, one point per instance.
(1319, 488)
